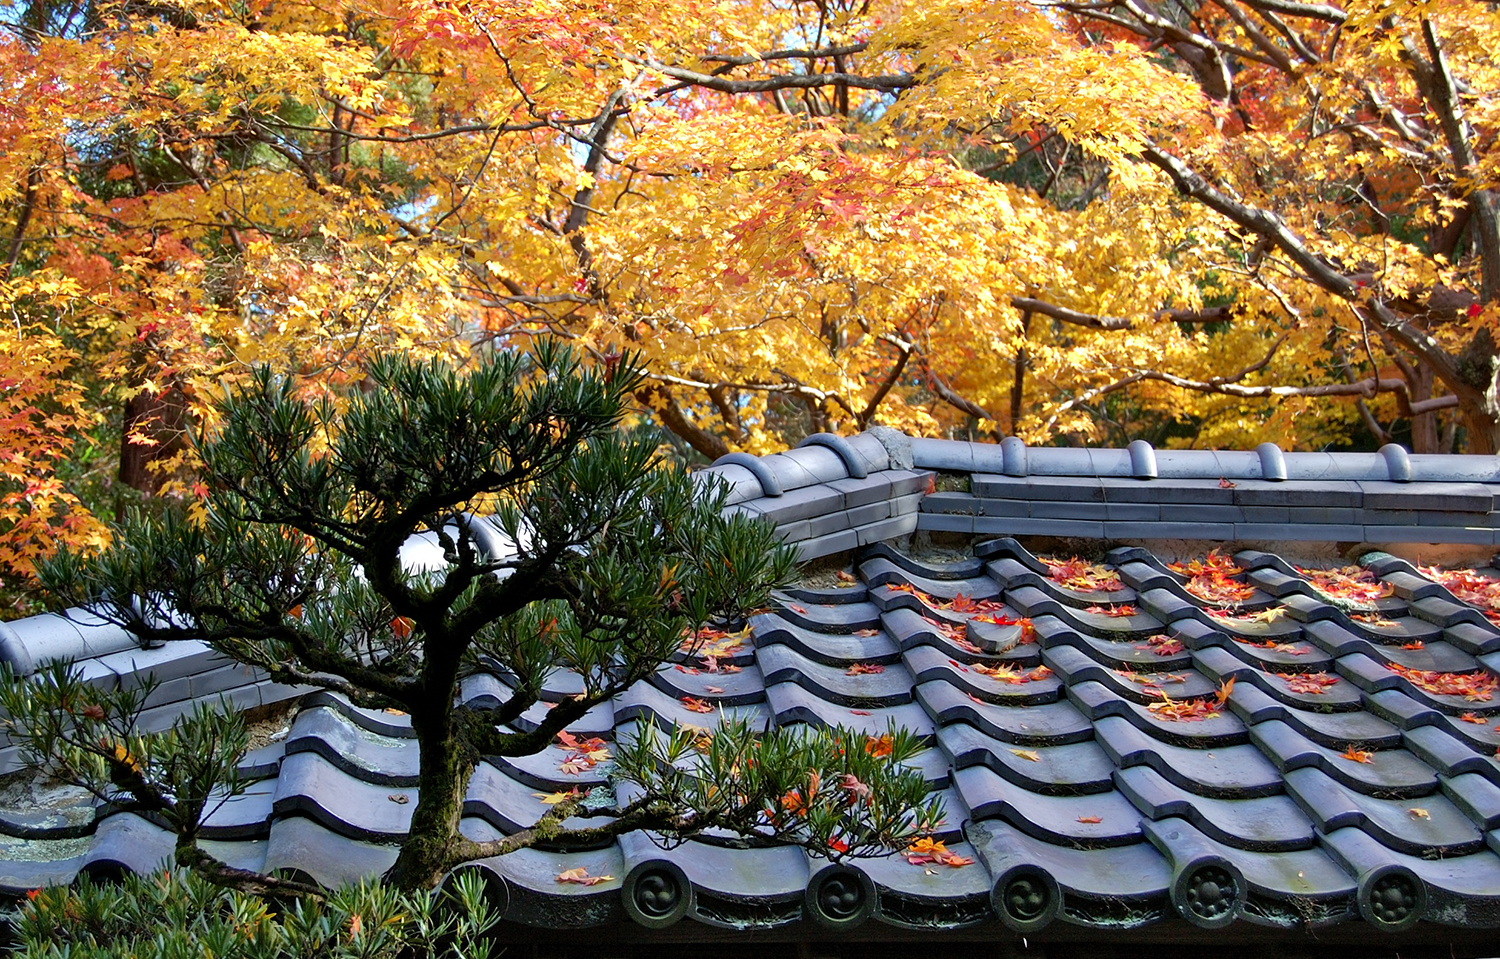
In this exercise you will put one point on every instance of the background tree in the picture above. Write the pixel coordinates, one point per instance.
(1206, 223)
(591, 556)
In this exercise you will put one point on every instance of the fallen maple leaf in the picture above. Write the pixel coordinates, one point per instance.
(552, 799)
(1308, 684)
(1224, 483)
(1357, 755)
(800, 610)
(866, 633)
(581, 877)
(1090, 819)
(1474, 718)
(879, 746)
(1290, 649)
(1114, 612)
(1418, 644)
(1477, 687)
(1217, 587)
(844, 576)
(1348, 582)
(864, 669)
(1419, 813)
(1030, 755)
(1214, 562)
(858, 791)
(861, 712)
(712, 689)
(1082, 576)
(1163, 645)
(927, 850)
(963, 603)
(1185, 710)
(1225, 689)
(399, 799)
(696, 705)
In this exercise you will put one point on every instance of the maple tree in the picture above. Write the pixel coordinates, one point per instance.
(565, 545)
(1209, 223)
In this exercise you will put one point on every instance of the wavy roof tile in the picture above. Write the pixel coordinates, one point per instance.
(1347, 777)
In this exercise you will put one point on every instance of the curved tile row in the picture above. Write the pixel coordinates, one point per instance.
(1115, 744)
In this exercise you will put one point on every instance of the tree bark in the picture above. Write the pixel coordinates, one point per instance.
(444, 768)
(160, 418)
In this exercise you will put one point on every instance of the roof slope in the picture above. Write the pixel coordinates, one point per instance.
(1350, 773)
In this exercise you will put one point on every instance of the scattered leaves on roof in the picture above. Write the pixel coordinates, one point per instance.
(1214, 562)
(864, 669)
(1477, 687)
(1217, 588)
(1377, 620)
(1162, 645)
(710, 642)
(1185, 710)
(581, 753)
(581, 877)
(1469, 586)
(1264, 617)
(962, 603)
(1308, 684)
(1353, 583)
(1290, 649)
(1082, 576)
(1151, 682)
(1006, 673)
(1113, 612)
(930, 851)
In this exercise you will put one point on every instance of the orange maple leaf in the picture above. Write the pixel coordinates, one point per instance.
(581, 877)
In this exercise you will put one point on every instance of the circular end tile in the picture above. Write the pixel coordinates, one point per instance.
(657, 894)
(1026, 898)
(839, 897)
(1392, 898)
(1209, 893)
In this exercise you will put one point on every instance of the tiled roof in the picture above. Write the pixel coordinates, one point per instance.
(1342, 781)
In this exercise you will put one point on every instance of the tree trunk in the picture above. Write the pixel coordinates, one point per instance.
(445, 766)
(1424, 426)
(161, 419)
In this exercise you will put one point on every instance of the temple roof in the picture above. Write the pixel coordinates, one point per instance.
(1249, 702)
